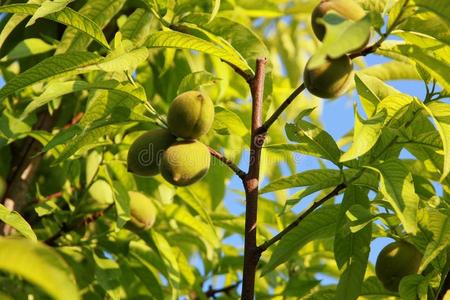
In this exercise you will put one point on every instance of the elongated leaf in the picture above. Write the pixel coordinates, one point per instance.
(373, 287)
(397, 186)
(306, 178)
(168, 256)
(313, 140)
(99, 11)
(440, 111)
(25, 258)
(371, 91)
(227, 122)
(66, 16)
(215, 10)
(234, 36)
(196, 80)
(27, 48)
(58, 89)
(15, 220)
(172, 39)
(48, 7)
(392, 70)
(205, 231)
(395, 106)
(427, 59)
(342, 36)
(365, 135)
(58, 65)
(121, 61)
(351, 249)
(439, 7)
(137, 26)
(318, 225)
(428, 23)
(439, 226)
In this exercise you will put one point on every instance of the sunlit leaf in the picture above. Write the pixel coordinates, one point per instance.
(318, 225)
(16, 221)
(66, 16)
(25, 258)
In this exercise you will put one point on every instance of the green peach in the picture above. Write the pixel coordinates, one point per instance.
(331, 79)
(145, 152)
(185, 163)
(102, 193)
(142, 211)
(396, 261)
(346, 8)
(190, 115)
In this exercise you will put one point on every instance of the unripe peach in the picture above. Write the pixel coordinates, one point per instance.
(331, 79)
(190, 115)
(185, 163)
(346, 8)
(102, 194)
(396, 261)
(142, 211)
(146, 151)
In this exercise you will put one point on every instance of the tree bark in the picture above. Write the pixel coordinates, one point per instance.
(251, 183)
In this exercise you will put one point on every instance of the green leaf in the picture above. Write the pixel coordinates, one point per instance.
(27, 48)
(57, 89)
(227, 122)
(439, 226)
(316, 177)
(373, 287)
(99, 11)
(205, 231)
(397, 187)
(121, 60)
(24, 258)
(234, 36)
(342, 36)
(371, 92)
(427, 59)
(168, 256)
(365, 135)
(66, 16)
(15, 220)
(439, 7)
(392, 70)
(137, 26)
(319, 224)
(196, 80)
(428, 23)
(107, 274)
(313, 140)
(172, 39)
(215, 10)
(58, 65)
(395, 106)
(351, 250)
(440, 112)
(48, 7)
(409, 287)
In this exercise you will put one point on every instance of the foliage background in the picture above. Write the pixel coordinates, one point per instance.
(197, 239)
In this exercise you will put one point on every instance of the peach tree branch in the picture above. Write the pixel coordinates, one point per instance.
(228, 162)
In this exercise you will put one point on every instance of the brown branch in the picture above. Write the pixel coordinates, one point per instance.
(27, 164)
(297, 221)
(251, 183)
(228, 162)
(68, 227)
(280, 109)
(246, 76)
(211, 293)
